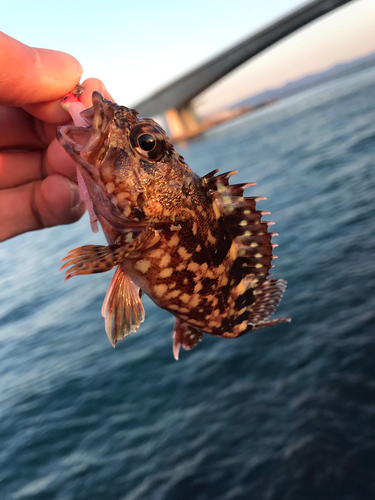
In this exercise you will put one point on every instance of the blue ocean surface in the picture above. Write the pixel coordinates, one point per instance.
(286, 413)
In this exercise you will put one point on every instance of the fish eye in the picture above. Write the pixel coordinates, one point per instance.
(147, 140)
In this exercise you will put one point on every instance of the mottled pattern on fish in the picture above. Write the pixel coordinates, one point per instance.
(196, 246)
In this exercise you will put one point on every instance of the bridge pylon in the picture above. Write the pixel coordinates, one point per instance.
(182, 121)
(176, 96)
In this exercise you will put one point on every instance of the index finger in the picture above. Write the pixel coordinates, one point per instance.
(52, 111)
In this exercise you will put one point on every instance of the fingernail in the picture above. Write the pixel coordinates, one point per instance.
(58, 65)
(105, 92)
(75, 198)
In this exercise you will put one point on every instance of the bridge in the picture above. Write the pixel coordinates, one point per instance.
(174, 100)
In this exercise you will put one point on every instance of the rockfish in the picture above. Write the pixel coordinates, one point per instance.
(195, 245)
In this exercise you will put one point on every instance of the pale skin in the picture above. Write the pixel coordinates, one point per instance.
(37, 177)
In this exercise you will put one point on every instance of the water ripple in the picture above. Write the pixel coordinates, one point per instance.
(281, 414)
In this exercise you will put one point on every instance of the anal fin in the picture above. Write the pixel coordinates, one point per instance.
(122, 307)
(186, 336)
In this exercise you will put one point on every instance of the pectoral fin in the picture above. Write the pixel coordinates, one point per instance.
(186, 336)
(122, 307)
(91, 259)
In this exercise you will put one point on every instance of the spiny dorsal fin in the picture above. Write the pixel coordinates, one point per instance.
(211, 174)
(219, 181)
(252, 241)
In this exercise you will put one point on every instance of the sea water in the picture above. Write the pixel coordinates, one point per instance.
(286, 413)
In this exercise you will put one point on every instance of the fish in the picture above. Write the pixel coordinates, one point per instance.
(195, 245)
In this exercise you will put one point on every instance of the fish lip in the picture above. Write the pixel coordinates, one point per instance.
(66, 136)
(88, 116)
(83, 143)
(101, 108)
(99, 119)
(86, 142)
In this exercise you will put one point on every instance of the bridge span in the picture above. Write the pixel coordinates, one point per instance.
(174, 100)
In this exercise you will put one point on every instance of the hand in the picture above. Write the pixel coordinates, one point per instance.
(37, 178)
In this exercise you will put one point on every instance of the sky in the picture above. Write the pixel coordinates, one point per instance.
(136, 47)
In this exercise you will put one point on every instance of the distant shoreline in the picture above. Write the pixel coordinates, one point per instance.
(309, 81)
(273, 95)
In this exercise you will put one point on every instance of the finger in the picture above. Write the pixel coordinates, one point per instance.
(17, 168)
(20, 168)
(59, 162)
(17, 130)
(39, 204)
(52, 111)
(34, 75)
(90, 85)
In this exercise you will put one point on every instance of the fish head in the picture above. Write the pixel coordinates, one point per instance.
(131, 170)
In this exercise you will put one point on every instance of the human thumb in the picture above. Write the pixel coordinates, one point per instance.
(30, 75)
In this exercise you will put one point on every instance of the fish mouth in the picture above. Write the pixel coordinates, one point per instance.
(85, 144)
(88, 146)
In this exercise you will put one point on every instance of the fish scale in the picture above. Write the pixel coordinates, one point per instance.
(196, 246)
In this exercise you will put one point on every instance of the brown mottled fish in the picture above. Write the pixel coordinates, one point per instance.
(195, 245)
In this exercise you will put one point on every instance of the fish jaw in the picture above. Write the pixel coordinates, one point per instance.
(86, 145)
(74, 107)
